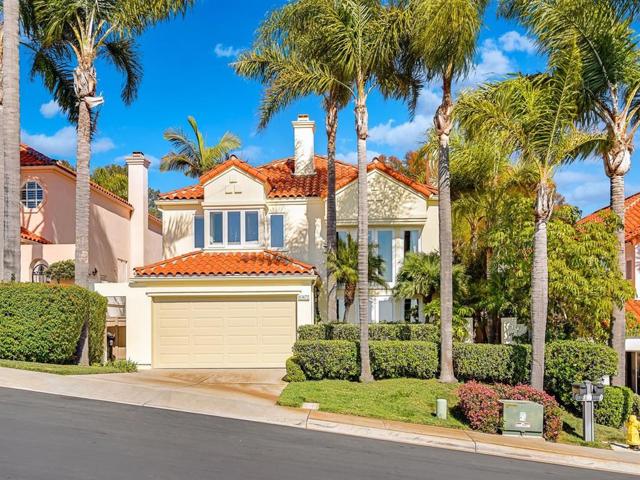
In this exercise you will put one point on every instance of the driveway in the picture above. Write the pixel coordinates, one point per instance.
(262, 386)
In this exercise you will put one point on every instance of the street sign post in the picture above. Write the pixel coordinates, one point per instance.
(587, 393)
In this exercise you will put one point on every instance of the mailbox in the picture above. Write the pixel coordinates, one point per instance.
(522, 418)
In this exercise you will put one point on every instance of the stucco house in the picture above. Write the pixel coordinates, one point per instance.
(244, 258)
(632, 273)
(122, 233)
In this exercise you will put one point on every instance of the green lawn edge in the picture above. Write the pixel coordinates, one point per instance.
(413, 401)
(65, 369)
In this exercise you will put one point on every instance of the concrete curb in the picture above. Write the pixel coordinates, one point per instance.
(243, 408)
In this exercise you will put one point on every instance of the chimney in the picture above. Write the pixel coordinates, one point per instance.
(303, 130)
(138, 173)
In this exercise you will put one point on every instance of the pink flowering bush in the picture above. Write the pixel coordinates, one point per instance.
(480, 404)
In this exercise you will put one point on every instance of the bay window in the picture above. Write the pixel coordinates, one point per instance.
(234, 228)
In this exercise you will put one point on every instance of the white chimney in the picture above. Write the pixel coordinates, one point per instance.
(303, 130)
(138, 173)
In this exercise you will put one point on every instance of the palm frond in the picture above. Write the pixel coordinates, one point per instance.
(123, 55)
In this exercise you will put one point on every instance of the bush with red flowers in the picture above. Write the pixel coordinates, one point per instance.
(481, 406)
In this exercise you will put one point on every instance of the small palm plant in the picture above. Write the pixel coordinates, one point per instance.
(344, 263)
(195, 158)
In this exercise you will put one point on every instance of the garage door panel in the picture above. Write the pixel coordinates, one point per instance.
(223, 333)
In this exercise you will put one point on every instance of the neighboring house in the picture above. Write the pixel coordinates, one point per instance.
(245, 259)
(116, 243)
(632, 273)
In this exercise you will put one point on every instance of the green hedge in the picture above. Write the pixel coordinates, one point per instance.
(42, 322)
(615, 407)
(395, 358)
(570, 361)
(337, 359)
(294, 371)
(492, 363)
(426, 332)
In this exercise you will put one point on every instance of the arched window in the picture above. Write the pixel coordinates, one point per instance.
(39, 273)
(31, 194)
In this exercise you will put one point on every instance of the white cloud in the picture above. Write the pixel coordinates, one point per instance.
(250, 153)
(409, 135)
(63, 142)
(226, 51)
(50, 109)
(515, 42)
(352, 157)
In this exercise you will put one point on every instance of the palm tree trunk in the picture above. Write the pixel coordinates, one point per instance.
(11, 141)
(349, 295)
(363, 238)
(3, 194)
(540, 284)
(443, 124)
(331, 121)
(618, 325)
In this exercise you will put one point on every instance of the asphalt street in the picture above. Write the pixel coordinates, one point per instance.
(52, 437)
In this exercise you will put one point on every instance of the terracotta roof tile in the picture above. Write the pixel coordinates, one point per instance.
(32, 237)
(631, 217)
(633, 307)
(282, 183)
(203, 263)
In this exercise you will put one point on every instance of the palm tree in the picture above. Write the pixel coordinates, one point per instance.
(88, 30)
(277, 60)
(444, 35)
(536, 117)
(195, 158)
(609, 91)
(11, 138)
(344, 264)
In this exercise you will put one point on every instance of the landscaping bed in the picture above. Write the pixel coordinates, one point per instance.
(414, 401)
(114, 367)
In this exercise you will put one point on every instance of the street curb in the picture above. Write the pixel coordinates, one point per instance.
(363, 427)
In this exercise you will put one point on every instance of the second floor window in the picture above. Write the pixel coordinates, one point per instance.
(198, 231)
(277, 230)
(235, 228)
(31, 194)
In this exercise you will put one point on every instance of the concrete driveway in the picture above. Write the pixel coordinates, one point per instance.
(262, 386)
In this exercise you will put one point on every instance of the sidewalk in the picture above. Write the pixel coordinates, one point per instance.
(253, 404)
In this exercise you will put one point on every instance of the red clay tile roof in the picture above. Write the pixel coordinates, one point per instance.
(633, 307)
(202, 263)
(631, 217)
(32, 158)
(32, 237)
(282, 183)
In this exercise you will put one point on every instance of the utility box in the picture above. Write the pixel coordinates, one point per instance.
(522, 418)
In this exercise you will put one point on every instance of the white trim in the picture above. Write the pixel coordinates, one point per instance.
(225, 278)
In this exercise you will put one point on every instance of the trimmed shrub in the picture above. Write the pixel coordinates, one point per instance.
(343, 331)
(385, 331)
(294, 371)
(615, 407)
(337, 359)
(480, 404)
(424, 332)
(492, 363)
(395, 358)
(636, 404)
(42, 322)
(313, 332)
(570, 361)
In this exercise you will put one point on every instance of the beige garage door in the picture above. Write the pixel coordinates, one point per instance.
(223, 333)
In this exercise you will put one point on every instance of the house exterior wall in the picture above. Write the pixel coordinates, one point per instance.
(139, 297)
(109, 222)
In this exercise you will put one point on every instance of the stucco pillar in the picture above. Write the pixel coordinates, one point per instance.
(303, 135)
(138, 172)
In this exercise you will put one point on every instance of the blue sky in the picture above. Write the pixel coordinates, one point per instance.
(186, 72)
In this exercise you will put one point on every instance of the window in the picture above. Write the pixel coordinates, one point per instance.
(39, 273)
(383, 241)
(216, 228)
(234, 228)
(198, 231)
(411, 310)
(31, 194)
(277, 231)
(411, 241)
(385, 311)
(629, 271)
(343, 236)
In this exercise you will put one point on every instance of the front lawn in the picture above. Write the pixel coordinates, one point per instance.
(115, 367)
(411, 400)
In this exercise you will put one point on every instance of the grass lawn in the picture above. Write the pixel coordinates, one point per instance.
(117, 367)
(411, 400)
